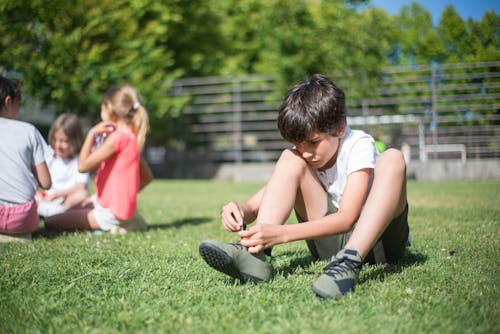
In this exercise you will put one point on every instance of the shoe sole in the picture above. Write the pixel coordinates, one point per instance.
(221, 261)
(320, 293)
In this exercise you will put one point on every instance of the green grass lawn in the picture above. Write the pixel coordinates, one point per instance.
(156, 282)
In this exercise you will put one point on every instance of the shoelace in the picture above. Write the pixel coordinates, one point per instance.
(268, 258)
(340, 266)
(239, 246)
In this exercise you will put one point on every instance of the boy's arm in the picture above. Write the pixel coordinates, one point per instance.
(252, 205)
(353, 197)
(233, 215)
(265, 236)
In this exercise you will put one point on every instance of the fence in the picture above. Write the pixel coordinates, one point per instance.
(446, 111)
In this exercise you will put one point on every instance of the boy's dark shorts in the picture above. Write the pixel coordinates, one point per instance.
(388, 249)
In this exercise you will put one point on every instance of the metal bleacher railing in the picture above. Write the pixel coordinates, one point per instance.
(449, 111)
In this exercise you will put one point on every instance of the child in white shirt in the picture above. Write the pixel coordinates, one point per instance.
(69, 186)
(351, 203)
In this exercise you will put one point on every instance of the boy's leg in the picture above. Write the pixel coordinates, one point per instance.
(386, 201)
(324, 248)
(292, 184)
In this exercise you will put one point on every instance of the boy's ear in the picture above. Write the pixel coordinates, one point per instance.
(342, 132)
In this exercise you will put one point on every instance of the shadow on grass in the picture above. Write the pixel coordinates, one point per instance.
(43, 233)
(286, 270)
(180, 223)
(51, 234)
(379, 272)
(298, 262)
(410, 259)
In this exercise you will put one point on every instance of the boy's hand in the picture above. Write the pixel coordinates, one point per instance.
(232, 217)
(262, 236)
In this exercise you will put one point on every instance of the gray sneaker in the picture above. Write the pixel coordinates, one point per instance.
(340, 276)
(236, 261)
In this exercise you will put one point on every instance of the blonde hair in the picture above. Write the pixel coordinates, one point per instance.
(72, 128)
(124, 103)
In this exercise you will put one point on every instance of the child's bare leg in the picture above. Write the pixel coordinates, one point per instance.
(76, 198)
(292, 184)
(73, 219)
(386, 201)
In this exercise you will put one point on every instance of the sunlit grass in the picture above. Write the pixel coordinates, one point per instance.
(156, 282)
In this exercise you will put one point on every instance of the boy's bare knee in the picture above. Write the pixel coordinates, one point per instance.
(292, 161)
(292, 156)
(392, 159)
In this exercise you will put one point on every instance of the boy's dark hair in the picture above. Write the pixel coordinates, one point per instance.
(8, 88)
(313, 105)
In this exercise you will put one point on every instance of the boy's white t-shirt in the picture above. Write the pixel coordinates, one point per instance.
(357, 151)
(64, 173)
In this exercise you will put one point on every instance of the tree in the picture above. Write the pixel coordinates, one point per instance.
(242, 28)
(194, 37)
(454, 35)
(418, 39)
(484, 39)
(69, 53)
(293, 40)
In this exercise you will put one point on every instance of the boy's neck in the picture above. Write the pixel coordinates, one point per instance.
(331, 162)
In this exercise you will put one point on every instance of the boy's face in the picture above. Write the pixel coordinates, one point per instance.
(319, 150)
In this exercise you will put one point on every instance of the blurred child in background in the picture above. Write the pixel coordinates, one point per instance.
(121, 171)
(22, 165)
(69, 186)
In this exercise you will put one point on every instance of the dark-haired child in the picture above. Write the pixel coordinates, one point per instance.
(350, 202)
(22, 165)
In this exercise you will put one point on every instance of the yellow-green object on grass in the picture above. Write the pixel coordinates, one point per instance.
(380, 146)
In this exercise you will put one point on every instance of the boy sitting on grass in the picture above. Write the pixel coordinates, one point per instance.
(351, 203)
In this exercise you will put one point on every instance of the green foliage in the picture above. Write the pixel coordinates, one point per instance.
(155, 282)
(294, 41)
(454, 35)
(452, 40)
(69, 53)
(484, 37)
(194, 37)
(418, 41)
